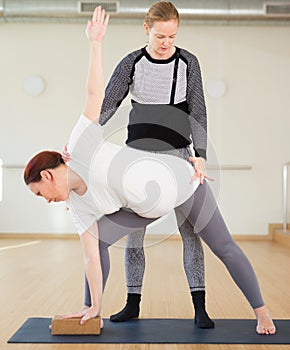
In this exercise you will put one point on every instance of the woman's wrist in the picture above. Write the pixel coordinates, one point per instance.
(95, 43)
(95, 309)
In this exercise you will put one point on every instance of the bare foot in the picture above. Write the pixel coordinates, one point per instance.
(265, 324)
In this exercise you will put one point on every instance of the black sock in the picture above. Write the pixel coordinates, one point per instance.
(131, 309)
(202, 319)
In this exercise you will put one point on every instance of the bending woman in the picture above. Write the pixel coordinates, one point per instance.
(102, 179)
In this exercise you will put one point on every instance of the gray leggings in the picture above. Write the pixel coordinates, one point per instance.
(202, 212)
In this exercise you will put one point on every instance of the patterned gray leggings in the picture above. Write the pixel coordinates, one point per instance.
(193, 258)
(202, 212)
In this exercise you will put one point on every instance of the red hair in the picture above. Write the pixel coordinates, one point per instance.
(41, 161)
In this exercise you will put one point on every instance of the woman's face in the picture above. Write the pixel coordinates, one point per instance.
(51, 187)
(161, 38)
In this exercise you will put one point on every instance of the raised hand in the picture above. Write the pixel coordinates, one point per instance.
(96, 28)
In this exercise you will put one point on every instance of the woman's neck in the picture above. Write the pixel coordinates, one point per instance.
(155, 55)
(76, 183)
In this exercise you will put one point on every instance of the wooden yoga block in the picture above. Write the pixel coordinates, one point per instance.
(72, 326)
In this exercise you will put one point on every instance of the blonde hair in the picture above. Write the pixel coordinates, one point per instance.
(161, 11)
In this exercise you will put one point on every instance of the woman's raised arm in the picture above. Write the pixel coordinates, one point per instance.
(95, 31)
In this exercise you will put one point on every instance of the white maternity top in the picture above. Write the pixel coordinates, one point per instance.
(151, 184)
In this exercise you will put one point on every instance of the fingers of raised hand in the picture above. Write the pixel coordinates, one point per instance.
(96, 13)
(102, 16)
(99, 16)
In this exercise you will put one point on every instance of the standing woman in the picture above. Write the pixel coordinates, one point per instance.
(168, 113)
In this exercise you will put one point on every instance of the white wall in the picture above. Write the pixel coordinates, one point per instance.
(248, 126)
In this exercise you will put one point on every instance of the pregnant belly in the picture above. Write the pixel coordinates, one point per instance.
(152, 187)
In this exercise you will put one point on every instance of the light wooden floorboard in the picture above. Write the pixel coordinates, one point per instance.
(46, 278)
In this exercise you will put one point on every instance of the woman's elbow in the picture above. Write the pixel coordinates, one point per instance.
(91, 259)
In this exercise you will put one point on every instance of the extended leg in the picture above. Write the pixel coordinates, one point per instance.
(203, 213)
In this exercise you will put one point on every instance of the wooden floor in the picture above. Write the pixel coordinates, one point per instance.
(45, 278)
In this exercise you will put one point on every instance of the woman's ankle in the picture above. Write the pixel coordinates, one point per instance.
(262, 310)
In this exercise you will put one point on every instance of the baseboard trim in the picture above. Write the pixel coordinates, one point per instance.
(159, 237)
(39, 236)
(274, 233)
(252, 237)
(279, 236)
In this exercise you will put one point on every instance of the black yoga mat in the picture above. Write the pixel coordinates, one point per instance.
(156, 331)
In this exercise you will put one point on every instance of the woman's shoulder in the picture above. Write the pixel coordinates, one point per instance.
(133, 55)
(187, 55)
